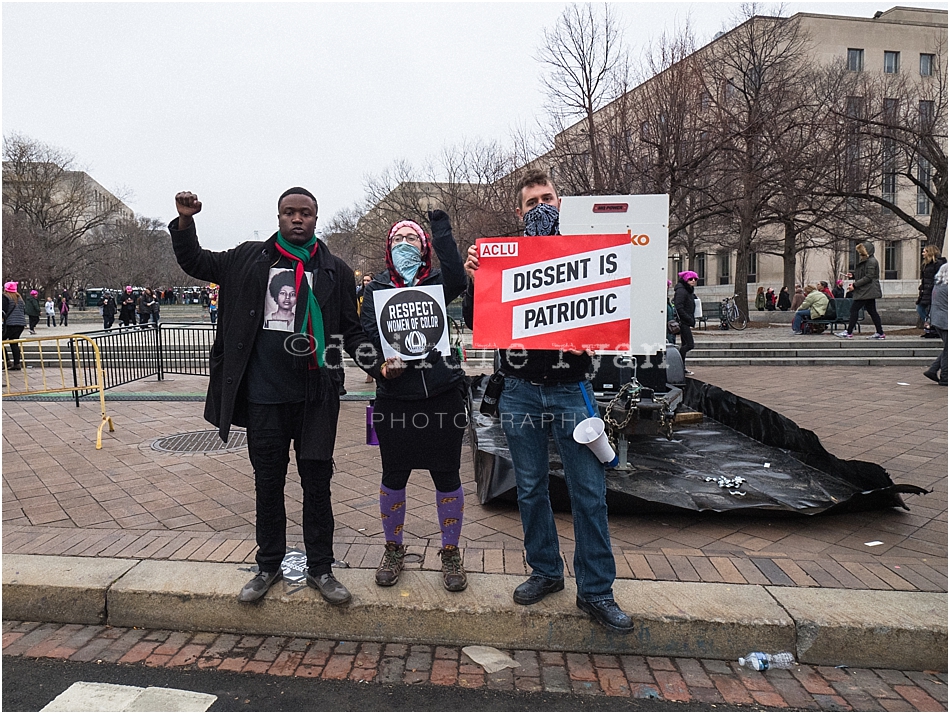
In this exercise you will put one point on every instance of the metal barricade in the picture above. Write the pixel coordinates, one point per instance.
(71, 363)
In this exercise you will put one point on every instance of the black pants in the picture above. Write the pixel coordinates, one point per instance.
(686, 340)
(444, 481)
(13, 332)
(50, 320)
(270, 430)
(34, 321)
(107, 321)
(870, 308)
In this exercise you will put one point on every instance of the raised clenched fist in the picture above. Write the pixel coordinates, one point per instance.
(187, 203)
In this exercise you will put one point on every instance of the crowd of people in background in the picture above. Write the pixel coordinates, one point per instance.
(131, 305)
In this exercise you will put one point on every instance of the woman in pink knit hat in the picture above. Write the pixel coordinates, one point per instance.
(685, 311)
(14, 320)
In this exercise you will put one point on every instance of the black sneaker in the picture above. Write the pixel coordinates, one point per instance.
(258, 586)
(330, 588)
(535, 588)
(932, 375)
(608, 614)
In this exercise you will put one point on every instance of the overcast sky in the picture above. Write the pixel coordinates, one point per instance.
(239, 101)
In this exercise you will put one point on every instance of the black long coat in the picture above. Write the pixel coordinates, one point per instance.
(242, 274)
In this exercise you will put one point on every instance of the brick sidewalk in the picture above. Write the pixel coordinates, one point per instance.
(671, 679)
(63, 497)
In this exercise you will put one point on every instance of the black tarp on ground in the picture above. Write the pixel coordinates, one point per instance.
(737, 438)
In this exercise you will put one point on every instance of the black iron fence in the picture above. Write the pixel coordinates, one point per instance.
(137, 352)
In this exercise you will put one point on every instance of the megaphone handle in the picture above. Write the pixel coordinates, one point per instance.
(590, 407)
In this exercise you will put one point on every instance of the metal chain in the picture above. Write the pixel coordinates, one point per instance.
(634, 388)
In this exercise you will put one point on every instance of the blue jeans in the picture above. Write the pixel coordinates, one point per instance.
(529, 413)
(799, 318)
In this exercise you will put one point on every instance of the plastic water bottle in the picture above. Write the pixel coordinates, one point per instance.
(761, 661)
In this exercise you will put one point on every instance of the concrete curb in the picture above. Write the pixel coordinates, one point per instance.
(893, 630)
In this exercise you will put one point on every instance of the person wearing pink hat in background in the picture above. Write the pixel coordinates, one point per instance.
(127, 308)
(14, 320)
(685, 306)
(32, 309)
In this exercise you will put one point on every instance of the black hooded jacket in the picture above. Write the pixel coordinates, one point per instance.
(684, 303)
(927, 274)
(437, 373)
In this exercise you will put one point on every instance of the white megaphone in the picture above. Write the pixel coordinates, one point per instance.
(592, 432)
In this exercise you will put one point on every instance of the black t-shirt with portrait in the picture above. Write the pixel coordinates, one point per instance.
(272, 377)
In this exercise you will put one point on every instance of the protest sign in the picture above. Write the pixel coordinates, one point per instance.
(600, 285)
(412, 321)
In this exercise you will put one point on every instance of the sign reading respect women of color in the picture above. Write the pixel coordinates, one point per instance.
(603, 287)
(412, 321)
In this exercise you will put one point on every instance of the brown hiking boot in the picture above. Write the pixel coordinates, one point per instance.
(453, 574)
(391, 565)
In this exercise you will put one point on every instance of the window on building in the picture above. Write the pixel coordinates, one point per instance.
(891, 111)
(753, 268)
(924, 177)
(725, 274)
(892, 259)
(854, 107)
(700, 262)
(925, 112)
(892, 62)
(705, 100)
(855, 60)
(677, 262)
(889, 187)
(926, 65)
(889, 175)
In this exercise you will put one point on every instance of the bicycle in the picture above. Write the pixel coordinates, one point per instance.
(732, 315)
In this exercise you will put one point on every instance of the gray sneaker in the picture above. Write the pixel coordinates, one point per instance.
(330, 588)
(258, 586)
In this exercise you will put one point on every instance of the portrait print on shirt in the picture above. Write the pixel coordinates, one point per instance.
(280, 300)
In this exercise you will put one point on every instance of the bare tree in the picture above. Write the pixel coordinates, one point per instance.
(585, 65)
(892, 134)
(57, 214)
(140, 253)
(754, 79)
(663, 142)
(472, 182)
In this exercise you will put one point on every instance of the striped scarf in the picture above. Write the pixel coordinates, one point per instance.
(312, 324)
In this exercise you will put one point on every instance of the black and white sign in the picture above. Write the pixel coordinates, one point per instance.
(412, 321)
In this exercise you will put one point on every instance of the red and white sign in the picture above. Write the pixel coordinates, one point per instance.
(554, 292)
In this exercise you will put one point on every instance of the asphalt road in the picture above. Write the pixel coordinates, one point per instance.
(30, 684)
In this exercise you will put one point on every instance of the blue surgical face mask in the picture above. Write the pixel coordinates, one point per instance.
(407, 259)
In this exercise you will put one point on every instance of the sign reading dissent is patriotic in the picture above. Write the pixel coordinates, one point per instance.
(554, 292)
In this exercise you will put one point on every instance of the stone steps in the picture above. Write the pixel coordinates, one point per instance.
(800, 351)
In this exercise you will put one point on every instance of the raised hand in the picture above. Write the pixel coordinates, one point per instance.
(187, 204)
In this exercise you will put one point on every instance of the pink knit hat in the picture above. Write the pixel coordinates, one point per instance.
(10, 287)
(34, 293)
(688, 275)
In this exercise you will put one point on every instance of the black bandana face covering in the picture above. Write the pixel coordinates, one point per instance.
(542, 220)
